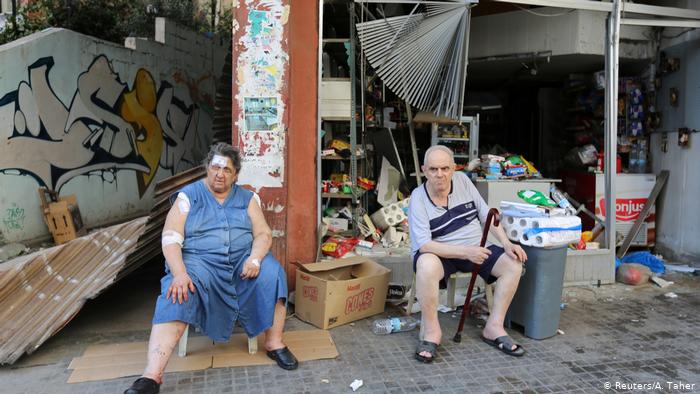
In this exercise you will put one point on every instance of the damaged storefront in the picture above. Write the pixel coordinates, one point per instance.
(522, 94)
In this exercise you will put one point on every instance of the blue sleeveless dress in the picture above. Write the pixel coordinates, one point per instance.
(218, 239)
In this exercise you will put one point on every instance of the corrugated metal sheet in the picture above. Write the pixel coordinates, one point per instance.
(41, 292)
(422, 56)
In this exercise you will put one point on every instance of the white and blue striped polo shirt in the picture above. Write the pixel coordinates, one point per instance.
(454, 224)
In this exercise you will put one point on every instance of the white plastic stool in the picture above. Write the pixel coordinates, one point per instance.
(182, 345)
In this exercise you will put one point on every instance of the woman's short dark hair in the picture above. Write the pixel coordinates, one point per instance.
(226, 150)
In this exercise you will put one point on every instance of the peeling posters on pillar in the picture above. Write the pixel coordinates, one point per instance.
(261, 72)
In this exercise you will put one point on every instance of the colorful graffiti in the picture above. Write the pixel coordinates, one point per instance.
(107, 127)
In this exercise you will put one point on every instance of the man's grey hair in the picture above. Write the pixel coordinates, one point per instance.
(441, 148)
(226, 150)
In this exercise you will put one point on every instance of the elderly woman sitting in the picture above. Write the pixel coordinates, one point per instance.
(219, 269)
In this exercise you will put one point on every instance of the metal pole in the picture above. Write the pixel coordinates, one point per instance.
(319, 140)
(465, 57)
(353, 100)
(414, 150)
(611, 86)
(14, 18)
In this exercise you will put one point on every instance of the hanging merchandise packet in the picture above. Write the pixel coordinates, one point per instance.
(537, 198)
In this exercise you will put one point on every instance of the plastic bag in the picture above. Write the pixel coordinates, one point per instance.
(537, 198)
(645, 258)
(338, 246)
(633, 274)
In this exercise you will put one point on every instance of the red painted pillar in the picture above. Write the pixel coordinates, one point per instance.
(303, 114)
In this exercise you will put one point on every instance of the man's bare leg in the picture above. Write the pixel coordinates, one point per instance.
(164, 337)
(273, 335)
(508, 273)
(429, 271)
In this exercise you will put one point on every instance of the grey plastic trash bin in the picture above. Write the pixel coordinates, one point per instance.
(536, 304)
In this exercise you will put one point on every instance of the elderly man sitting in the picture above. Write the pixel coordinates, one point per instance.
(219, 269)
(445, 238)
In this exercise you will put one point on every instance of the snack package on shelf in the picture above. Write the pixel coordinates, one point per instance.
(338, 247)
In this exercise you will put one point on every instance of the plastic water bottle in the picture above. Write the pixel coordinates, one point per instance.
(394, 324)
(634, 158)
(642, 157)
(559, 198)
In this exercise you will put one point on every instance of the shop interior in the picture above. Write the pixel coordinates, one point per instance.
(539, 117)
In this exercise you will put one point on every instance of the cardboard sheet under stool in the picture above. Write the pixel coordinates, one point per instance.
(102, 362)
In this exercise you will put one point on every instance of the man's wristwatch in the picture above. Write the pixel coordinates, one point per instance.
(255, 262)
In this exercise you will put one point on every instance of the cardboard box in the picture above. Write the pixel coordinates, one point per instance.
(338, 224)
(330, 294)
(62, 216)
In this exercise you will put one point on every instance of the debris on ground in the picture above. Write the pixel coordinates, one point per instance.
(325, 381)
(479, 309)
(671, 295)
(684, 268)
(633, 274)
(444, 308)
(356, 384)
(661, 282)
(560, 331)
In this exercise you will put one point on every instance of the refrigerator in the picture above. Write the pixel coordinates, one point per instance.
(632, 191)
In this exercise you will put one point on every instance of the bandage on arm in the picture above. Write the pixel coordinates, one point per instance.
(183, 203)
(257, 198)
(171, 237)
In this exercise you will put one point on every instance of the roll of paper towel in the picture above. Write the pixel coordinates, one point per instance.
(561, 222)
(543, 232)
(548, 239)
(512, 229)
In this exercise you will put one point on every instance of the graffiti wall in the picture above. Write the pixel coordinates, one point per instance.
(104, 122)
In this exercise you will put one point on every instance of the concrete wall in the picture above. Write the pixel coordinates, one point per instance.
(102, 121)
(576, 32)
(678, 216)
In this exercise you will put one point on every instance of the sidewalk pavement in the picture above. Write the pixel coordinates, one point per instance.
(615, 336)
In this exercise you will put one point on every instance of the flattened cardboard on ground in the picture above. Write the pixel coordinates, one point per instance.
(101, 362)
(330, 294)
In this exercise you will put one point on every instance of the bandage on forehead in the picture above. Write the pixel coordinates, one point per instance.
(183, 202)
(219, 160)
(172, 237)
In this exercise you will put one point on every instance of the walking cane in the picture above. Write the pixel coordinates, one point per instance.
(493, 213)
